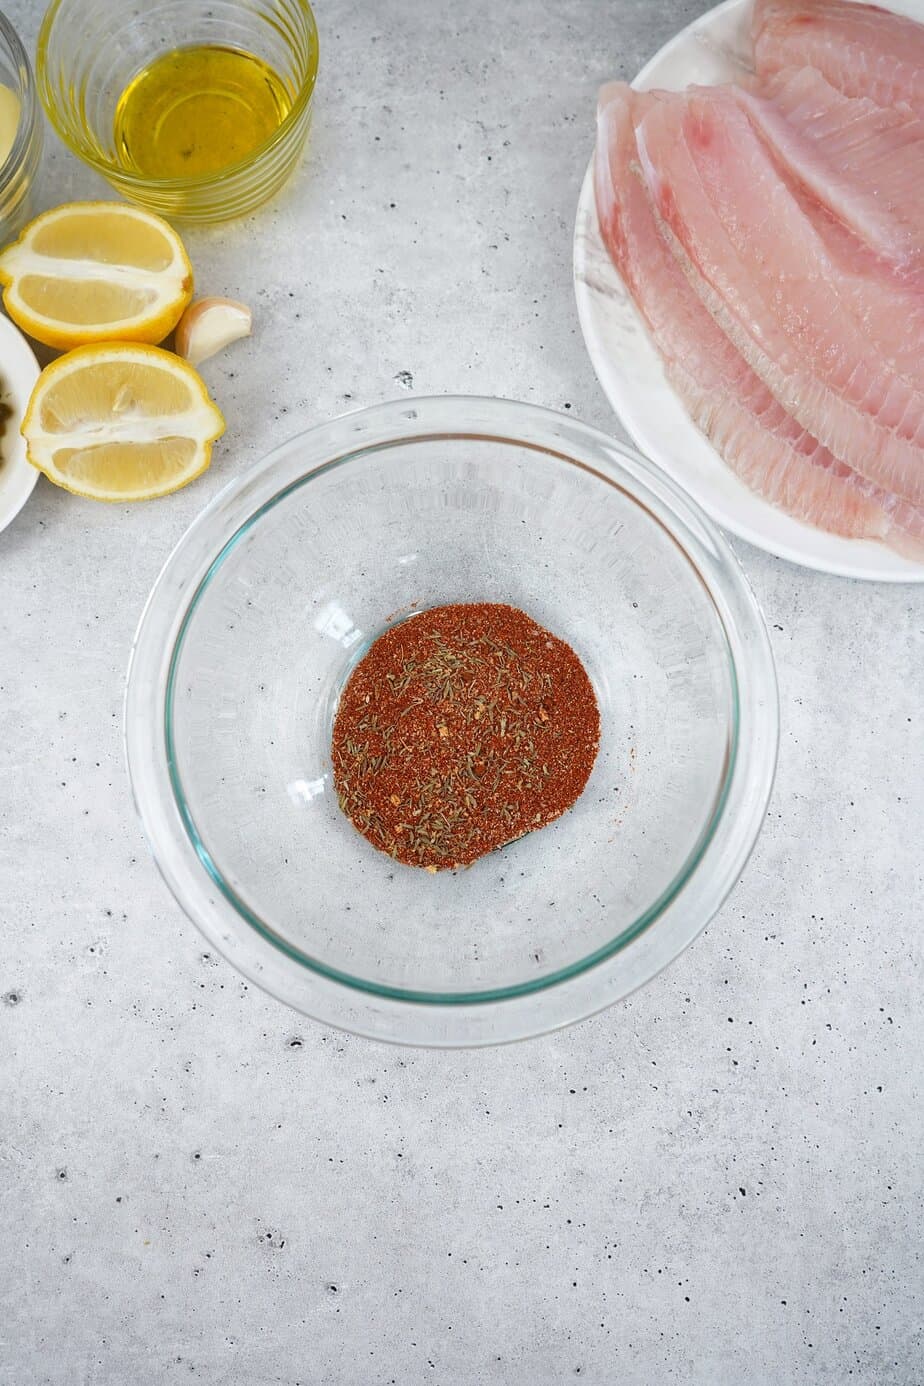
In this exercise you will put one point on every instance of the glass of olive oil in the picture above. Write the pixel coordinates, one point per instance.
(196, 110)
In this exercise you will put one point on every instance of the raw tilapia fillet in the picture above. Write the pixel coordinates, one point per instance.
(885, 298)
(861, 49)
(865, 164)
(839, 349)
(757, 438)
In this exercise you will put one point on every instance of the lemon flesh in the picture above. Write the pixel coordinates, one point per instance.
(96, 271)
(120, 422)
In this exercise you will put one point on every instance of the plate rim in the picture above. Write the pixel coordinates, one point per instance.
(885, 567)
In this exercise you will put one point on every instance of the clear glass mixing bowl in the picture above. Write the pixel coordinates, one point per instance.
(278, 589)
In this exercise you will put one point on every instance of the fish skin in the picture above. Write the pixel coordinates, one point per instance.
(758, 439)
(862, 50)
(807, 329)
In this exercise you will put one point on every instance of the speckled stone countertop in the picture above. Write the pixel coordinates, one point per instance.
(717, 1181)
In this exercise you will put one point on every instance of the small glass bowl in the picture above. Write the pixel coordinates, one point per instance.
(90, 50)
(18, 170)
(279, 588)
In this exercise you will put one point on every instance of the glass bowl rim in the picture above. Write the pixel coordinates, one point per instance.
(28, 115)
(141, 182)
(385, 426)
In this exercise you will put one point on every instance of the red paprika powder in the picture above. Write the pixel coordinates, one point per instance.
(460, 730)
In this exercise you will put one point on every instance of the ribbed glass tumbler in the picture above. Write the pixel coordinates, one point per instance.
(89, 51)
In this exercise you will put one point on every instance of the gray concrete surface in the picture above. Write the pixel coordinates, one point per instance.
(717, 1182)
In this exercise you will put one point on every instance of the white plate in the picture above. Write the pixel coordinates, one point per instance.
(713, 49)
(19, 371)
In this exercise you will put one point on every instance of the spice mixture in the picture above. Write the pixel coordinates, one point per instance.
(460, 730)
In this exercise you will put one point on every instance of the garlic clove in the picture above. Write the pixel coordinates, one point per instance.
(208, 326)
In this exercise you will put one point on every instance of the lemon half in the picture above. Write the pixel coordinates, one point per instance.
(120, 422)
(96, 271)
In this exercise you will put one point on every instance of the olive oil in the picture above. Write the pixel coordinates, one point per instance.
(198, 110)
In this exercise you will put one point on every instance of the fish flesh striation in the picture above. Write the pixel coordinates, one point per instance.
(861, 49)
(862, 162)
